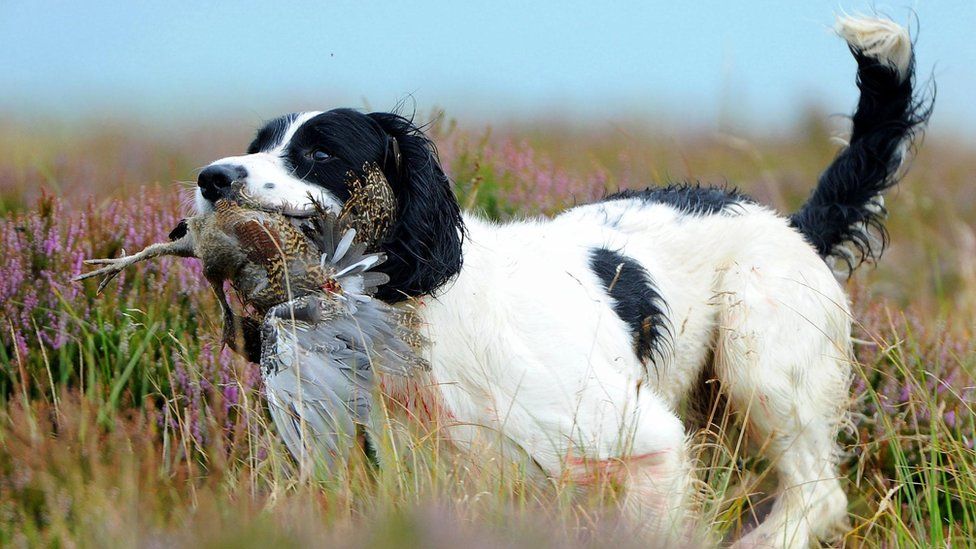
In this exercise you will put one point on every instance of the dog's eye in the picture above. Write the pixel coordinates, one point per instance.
(318, 155)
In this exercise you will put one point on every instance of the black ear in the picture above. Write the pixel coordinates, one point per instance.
(424, 246)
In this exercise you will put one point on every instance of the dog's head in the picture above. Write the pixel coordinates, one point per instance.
(308, 155)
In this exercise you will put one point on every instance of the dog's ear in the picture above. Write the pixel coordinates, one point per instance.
(423, 247)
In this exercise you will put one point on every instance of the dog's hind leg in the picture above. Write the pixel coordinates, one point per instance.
(782, 356)
(650, 462)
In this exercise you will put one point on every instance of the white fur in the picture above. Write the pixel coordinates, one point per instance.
(882, 39)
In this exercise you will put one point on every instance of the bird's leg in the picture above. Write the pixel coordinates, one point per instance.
(182, 247)
(241, 333)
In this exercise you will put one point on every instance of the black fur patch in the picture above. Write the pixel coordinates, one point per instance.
(271, 134)
(636, 301)
(688, 198)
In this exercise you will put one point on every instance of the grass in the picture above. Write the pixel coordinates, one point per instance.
(123, 422)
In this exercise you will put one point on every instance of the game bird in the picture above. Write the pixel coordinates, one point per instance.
(305, 278)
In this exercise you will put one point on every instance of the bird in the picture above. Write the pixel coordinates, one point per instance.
(306, 280)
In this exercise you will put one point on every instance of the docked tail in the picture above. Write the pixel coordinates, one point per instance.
(843, 217)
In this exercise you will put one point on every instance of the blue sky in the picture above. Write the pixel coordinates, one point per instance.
(688, 61)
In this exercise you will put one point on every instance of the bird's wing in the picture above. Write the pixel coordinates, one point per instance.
(318, 360)
(317, 385)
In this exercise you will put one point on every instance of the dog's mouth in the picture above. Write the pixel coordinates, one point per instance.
(239, 195)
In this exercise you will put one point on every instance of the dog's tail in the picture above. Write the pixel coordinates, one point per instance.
(843, 217)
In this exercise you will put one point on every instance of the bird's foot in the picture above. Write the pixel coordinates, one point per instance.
(111, 269)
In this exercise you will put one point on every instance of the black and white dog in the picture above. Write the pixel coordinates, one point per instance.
(578, 337)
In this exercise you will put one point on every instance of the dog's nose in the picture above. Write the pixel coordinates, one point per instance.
(215, 180)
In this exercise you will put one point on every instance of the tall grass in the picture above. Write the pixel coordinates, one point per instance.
(123, 422)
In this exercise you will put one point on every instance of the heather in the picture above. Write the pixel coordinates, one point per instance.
(123, 421)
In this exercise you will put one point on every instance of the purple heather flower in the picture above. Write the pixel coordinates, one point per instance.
(905, 394)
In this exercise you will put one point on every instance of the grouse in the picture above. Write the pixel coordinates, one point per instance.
(306, 280)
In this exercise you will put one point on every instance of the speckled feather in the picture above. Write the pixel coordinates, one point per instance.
(371, 207)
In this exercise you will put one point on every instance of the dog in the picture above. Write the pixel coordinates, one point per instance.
(577, 338)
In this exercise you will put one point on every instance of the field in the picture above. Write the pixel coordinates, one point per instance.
(123, 422)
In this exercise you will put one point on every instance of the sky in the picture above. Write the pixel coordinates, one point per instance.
(757, 62)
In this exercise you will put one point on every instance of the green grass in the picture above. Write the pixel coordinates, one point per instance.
(122, 422)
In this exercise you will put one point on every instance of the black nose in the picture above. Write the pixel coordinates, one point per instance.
(215, 180)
